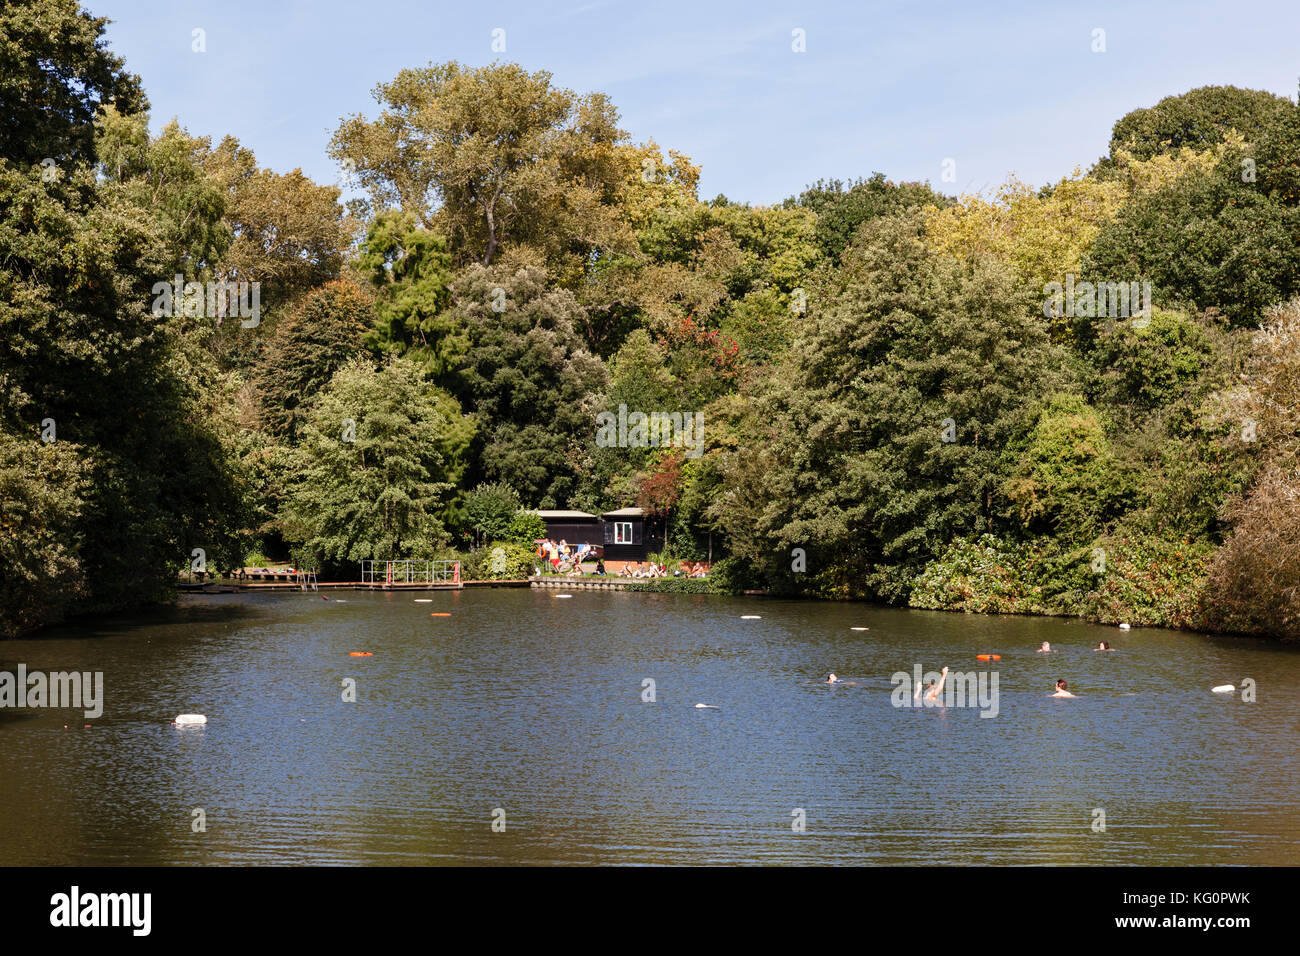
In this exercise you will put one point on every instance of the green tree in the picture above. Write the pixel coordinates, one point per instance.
(879, 438)
(78, 342)
(56, 76)
(411, 270)
(41, 496)
(1062, 477)
(322, 332)
(491, 156)
(489, 509)
(529, 379)
(372, 474)
(1225, 240)
(841, 208)
(1199, 118)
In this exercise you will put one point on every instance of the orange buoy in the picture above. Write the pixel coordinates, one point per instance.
(360, 654)
(440, 614)
(988, 657)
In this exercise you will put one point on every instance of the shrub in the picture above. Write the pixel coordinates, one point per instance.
(734, 575)
(983, 575)
(499, 561)
(677, 586)
(1150, 581)
(525, 528)
(1254, 579)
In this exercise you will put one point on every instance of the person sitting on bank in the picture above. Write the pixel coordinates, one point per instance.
(600, 567)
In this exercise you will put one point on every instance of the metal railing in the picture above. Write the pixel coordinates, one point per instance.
(410, 572)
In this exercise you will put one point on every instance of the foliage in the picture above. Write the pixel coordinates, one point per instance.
(489, 510)
(1062, 477)
(1041, 237)
(492, 156)
(842, 208)
(314, 341)
(499, 561)
(525, 528)
(676, 586)
(528, 377)
(1222, 240)
(42, 488)
(411, 269)
(378, 495)
(983, 576)
(1148, 581)
(879, 441)
(1199, 118)
(1253, 581)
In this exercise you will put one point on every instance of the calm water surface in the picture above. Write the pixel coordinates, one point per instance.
(531, 703)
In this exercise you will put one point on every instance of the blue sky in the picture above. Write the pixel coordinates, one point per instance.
(895, 87)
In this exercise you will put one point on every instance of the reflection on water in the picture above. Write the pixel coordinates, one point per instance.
(530, 704)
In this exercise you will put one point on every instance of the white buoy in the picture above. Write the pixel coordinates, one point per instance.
(751, 617)
(707, 707)
(1223, 689)
(184, 719)
(859, 629)
(563, 595)
(1124, 627)
(424, 600)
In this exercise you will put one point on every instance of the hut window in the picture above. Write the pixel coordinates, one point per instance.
(622, 532)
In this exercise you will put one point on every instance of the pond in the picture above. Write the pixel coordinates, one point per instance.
(526, 728)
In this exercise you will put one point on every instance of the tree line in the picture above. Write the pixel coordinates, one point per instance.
(892, 410)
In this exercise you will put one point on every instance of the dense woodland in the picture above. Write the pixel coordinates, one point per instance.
(890, 412)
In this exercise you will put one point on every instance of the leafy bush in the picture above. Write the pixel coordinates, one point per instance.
(1254, 579)
(489, 509)
(524, 528)
(499, 561)
(984, 575)
(734, 575)
(677, 586)
(1149, 581)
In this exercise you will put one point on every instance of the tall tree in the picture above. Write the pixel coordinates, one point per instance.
(879, 438)
(491, 156)
(375, 466)
(316, 339)
(528, 378)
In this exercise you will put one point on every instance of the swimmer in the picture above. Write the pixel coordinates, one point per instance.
(1103, 646)
(932, 690)
(1045, 649)
(833, 679)
(1061, 690)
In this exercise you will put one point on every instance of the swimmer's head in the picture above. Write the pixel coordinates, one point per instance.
(1045, 647)
(832, 677)
(1061, 685)
(1103, 646)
